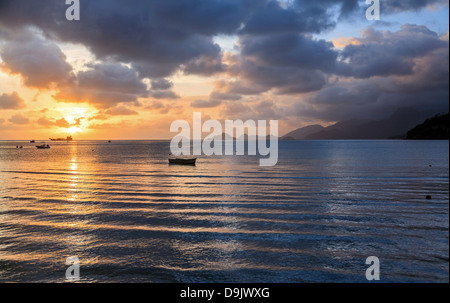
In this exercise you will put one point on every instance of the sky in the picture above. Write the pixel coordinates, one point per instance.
(127, 69)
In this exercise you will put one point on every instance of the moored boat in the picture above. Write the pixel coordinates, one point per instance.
(182, 161)
(43, 146)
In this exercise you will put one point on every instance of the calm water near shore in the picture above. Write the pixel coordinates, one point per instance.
(315, 217)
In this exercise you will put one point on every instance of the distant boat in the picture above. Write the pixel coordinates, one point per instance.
(44, 146)
(183, 161)
(69, 138)
(32, 141)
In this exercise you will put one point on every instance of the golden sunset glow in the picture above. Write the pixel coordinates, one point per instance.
(92, 87)
(73, 130)
(228, 142)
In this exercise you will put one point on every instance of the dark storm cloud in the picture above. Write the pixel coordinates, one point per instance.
(161, 89)
(368, 100)
(156, 36)
(290, 50)
(159, 37)
(393, 6)
(105, 85)
(112, 77)
(40, 63)
(156, 39)
(306, 16)
(345, 7)
(161, 84)
(284, 79)
(348, 8)
(389, 53)
(260, 71)
(425, 86)
(287, 63)
(164, 94)
(272, 18)
(205, 66)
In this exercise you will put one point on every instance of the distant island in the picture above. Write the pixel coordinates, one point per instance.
(401, 124)
(435, 128)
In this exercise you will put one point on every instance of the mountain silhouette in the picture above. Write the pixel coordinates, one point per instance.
(396, 126)
(436, 128)
(302, 133)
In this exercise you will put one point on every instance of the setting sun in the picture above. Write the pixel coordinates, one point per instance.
(72, 130)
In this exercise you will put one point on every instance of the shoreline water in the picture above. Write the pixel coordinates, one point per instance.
(315, 217)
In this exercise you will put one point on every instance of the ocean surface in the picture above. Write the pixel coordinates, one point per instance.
(315, 217)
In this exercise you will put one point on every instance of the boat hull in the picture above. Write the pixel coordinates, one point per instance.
(183, 161)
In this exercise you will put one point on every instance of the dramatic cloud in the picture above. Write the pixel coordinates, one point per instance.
(289, 50)
(161, 84)
(205, 66)
(302, 17)
(393, 6)
(11, 101)
(163, 34)
(423, 85)
(39, 62)
(169, 34)
(257, 77)
(105, 85)
(166, 94)
(224, 96)
(389, 53)
(274, 63)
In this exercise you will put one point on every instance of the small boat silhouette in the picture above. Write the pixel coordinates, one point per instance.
(69, 138)
(44, 146)
(182, 161)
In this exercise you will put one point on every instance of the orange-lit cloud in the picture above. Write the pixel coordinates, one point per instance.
(158, 61)
(11, 101)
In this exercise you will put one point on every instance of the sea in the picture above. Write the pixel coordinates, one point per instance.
(315, 217)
